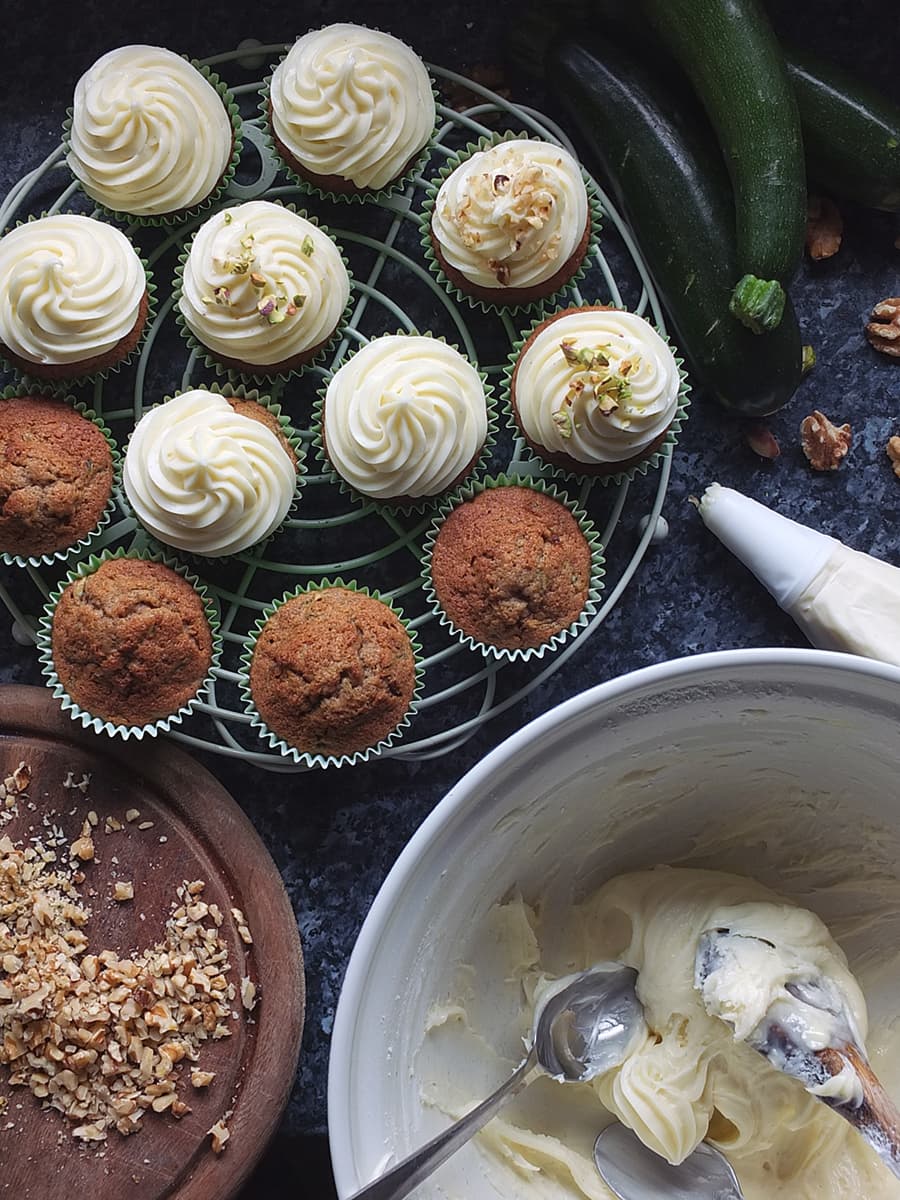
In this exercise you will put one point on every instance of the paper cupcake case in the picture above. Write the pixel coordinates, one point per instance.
(175, 218)
(595, 586)
(45, 649)
(81, 546)
(237, 391)
(651, 462)
(420, 504)
(413, 169)
(103, 372)
(259, 376)
(304, 758)
(431, 192)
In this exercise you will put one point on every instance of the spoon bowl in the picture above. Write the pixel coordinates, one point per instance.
(633, 1172)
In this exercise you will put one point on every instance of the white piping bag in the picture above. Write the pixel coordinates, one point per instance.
(842, 599)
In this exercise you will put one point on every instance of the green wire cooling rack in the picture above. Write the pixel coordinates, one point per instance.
(333, 533)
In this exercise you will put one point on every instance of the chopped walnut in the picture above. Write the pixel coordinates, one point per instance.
(220, 1136)
(893, 453)
(824, 443)
(201, 1079)
(123, 890)
(824, 228)
(883, 331)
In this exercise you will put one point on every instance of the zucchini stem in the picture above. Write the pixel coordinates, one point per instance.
(757, 303)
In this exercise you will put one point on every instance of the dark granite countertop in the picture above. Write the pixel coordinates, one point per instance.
(335, 834)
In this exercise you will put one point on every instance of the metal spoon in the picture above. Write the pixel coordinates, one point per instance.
(810, 1034)
(633, 1172)
(587, 1024)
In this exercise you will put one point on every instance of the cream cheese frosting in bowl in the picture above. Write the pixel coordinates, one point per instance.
(745, 786)
(210, 474)
(350, 108)
(149, 134)
(511, 222)
(405, 418)
(73, 295)
(595, 389)
(263, 288)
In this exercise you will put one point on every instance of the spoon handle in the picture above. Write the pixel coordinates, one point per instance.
(877, 1118)
(400, 1180)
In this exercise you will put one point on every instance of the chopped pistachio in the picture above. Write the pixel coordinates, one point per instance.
(307, 246)
(258, 281)
(562, 419)
(228, 218)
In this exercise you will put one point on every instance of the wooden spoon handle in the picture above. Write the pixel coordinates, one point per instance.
(877, 1118)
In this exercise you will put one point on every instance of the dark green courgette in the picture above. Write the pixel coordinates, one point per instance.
(729, 51)
(663, 168)
(851, 132)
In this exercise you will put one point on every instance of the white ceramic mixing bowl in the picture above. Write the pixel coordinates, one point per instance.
(744, 760)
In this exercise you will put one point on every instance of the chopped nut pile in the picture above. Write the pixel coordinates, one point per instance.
(97, 1037)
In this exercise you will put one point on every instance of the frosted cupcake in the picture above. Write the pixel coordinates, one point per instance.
(74, 297)
(350, 109)
(263, 289)
(404, 419)
(596, 391)
(511, 223)
(150, 135)
(210, 474)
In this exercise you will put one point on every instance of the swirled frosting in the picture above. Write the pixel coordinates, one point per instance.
(262, 284)
(511, 216)
(205, 478)
(71, 288)
(598, 385)
(150, 134)
(352, 102)
(404, 417)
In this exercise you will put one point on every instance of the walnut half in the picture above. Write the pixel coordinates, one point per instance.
(824, 228)
(883, 331)
(824, 443)
(893, 453)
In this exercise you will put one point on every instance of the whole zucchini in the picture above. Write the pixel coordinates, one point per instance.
(664, 170)
(851, 132)
(729, 51)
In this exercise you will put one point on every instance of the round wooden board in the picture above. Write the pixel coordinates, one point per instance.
(198, 832)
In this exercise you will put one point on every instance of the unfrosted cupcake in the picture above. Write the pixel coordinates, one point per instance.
(511, 223)
(350, 109)
(130, 642)
(210, 474)
(332, 672)
(595, 390)
(56, 476)
(150, 135)
(263, 288)
(405, 418)
(74, 297)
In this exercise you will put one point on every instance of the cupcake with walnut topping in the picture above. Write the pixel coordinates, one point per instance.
(596, 391)
(262, 289)
(511, 223)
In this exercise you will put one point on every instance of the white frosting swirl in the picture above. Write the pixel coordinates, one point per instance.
(150, 134)
(405, 416)
(205, 478)
(352, 102)
(256, 255)
(512, 215)
(70, 289)
(560, 403)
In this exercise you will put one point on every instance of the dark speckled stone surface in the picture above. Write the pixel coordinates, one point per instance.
(335, 835)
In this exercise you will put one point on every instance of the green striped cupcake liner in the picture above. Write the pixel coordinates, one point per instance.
(82, 545)
(486, 142)
(294, 440)
(418, 504)
(174, 218)
(45, 649)
(259, 375)
(595, 585)
(651, 462)
(305, 758)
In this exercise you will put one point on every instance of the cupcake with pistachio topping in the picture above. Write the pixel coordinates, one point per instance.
(262, 289)
(510, 222)
(596, 391)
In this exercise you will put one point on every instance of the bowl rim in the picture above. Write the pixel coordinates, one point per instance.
(470, 785)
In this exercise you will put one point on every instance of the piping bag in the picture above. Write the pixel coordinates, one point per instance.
(842, 599)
